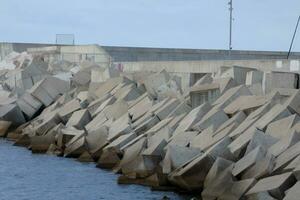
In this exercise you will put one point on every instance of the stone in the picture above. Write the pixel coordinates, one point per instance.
(76, 148)
(182, 108)
(277, 112)
(239, 145)
(214, 118)
(183, 139)
(237, 190)
(166, 109)
(140, 108)
(96, 140)
(116, 110)
(85, 157)
(177, 156)
(119, 127)
(109, 101)
(293, 193)
(222, 182)
(285, 143)
(120, 142)
(4, 127)
(49, 122)
(41, 144)
(230, 95)
(191, 175)
(245, 103)
(128, 93)
(220, 149)
(130, 162)
(275, 185)
(248, 161)
(261, 168)
(48, 89)
(288, 155)
(192, 118)
(79, 119)
(29, 104)
(155, 81)
(261, 139)
(66, 111)
(280, 128)
(219, 165)
(12, 112)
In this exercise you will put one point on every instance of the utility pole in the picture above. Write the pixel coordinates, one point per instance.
(291, 46)
(230, 25)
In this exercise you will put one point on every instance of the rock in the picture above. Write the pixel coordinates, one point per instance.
(288, 155)
(66, 111)
(29, 104)
(248, 161)
(4, 126)
(191, 175)
(285, 143)
(192, 118)
(281, 127)
(41, 144)
(237, 190)
(47, 90)
(12, 112)
(79, 119)
(96, 140)
(176, 156)
(293, 193)
(275, 185)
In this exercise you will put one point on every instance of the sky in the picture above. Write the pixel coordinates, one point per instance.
(200, 24)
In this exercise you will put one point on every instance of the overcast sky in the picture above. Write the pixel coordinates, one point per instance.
(258, 24)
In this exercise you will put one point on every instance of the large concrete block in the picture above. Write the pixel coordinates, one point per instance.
(48, 89)
(238, 146)
(177, 156)
(218, 180)
(293, 193)
(191, 176)
(109, 101)
(214, 118)
(66, 111)
(274, 185)
(167, 108)
(4, 126)
(248, 160)
(288, 155)
(29, 104)
(277, 112)
(79, 119)
(285, 143)
(237, 190)
(261, 168)
(230, 95)
(246, 104)
(96, 140)
(12, 112)
(261, 139)
(116, 110)
(281, 128)
(119, 127)
(193, 117)
(140, 108)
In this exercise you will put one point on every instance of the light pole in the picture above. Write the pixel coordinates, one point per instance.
(230, 25)
(289, 53)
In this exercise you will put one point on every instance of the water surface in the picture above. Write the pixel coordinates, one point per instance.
(27, 176)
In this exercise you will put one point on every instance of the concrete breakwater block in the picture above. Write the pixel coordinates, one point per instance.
(233, 135)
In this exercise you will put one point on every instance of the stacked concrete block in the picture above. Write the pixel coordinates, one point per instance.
(243, 144)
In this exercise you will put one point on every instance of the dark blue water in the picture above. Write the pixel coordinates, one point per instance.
(26, 176)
